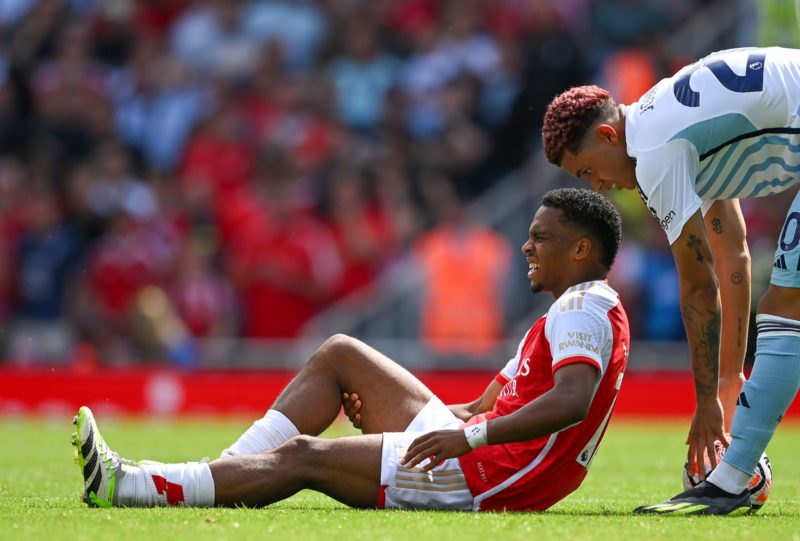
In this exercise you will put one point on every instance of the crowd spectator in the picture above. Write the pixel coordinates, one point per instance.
(45, 264)
(464, 267)
(285, 266)
(362, 77)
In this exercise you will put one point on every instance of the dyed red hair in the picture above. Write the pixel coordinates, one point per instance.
(569, 116)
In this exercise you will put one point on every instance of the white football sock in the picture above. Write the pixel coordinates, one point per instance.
(729, 478)
(266, 434)
(159, 485)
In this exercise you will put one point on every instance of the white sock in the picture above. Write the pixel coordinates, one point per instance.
(729, 478)
(158, 485)
(266, 434)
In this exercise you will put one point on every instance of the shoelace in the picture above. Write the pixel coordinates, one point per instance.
(107, 454)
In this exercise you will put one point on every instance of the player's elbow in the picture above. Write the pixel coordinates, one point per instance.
(581, 411)
(730, 251)
(738, 260)
(574, 389)
(576, 409)
(701, 290)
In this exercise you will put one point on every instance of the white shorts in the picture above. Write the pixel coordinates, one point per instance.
(444, 487)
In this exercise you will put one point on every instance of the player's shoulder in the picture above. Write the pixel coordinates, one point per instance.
(663, 112)
(651, 123)
(592, 296)
(742, 55)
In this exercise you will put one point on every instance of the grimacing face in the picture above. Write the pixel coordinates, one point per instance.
(547, 251)
(603, 161)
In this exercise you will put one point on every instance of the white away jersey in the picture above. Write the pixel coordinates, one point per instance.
(725, 127)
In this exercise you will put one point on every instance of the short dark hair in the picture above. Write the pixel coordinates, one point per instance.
(569, 116)
(591, 212)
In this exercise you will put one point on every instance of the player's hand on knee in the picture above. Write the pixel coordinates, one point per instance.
(437, 446)
(352, 408)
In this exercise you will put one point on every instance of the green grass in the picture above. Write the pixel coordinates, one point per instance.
(637, 463)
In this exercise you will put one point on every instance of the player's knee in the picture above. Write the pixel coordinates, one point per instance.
(780, 301)
(300, 445)
(337, 348)
(770, 298)
(297, 449)
(302, 454)
(339, 343)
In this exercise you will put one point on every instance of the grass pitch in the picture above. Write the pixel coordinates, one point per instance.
(637, 463)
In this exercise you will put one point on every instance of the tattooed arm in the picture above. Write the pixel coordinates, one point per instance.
(701, 310)
(727, 235)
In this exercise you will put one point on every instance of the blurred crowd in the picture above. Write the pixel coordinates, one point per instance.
(177, 170)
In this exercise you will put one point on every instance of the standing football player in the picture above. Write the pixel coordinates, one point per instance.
(723, 128)
(525, 444)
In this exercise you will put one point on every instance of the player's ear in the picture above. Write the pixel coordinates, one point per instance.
(607, 133)
(583, 248)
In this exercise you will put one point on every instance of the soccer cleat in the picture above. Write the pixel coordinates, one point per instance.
(101, 467)
(704, 499)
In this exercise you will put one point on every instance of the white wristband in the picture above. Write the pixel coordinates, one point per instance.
(476, 435)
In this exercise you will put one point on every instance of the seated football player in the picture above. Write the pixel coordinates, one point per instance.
(525, 444)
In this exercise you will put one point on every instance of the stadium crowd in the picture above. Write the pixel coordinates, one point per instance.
(176, 170)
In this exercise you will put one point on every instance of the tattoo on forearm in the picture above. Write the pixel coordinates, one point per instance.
(739, 332)
(694, 244)
(703, 388)
(716, 225)
(705, 347)
(737, 278)
(711, 340)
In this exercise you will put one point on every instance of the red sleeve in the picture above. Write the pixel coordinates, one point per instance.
(501, 378)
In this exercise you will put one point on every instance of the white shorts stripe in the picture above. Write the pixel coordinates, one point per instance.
(444, 487)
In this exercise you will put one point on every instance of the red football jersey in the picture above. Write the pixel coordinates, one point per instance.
(587, 324)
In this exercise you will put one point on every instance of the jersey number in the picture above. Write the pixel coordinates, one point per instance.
(790, 244)
(751, 81)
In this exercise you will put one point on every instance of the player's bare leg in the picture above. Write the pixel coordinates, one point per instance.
(781, 301)
(346, 469)
(390, 397)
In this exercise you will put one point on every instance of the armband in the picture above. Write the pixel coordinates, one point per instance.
(476, 435)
